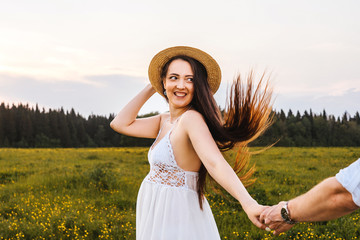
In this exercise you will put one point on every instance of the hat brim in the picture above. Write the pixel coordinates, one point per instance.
(160, 59)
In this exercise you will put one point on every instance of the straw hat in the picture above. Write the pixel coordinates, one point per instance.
(160, 59)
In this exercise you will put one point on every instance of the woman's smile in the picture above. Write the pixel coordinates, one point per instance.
(180, 94)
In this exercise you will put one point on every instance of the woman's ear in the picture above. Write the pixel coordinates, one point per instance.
(164, 82)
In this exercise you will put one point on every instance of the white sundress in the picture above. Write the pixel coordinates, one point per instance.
(167, 204)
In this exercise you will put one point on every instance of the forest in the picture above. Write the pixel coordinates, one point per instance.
(22, 126)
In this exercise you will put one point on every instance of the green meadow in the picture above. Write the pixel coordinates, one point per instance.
(91, 193)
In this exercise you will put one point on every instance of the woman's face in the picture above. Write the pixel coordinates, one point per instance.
(178, 83)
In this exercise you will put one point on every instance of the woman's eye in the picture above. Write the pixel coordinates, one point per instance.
(172, 77)
(190, 79)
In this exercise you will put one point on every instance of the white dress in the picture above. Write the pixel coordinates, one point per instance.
(167, 204)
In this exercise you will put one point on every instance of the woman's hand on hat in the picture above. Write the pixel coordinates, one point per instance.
(150, 87)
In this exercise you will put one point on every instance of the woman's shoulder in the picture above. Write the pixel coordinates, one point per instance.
(164, 117)
(192, 116)
(193, 112)
(193, 122)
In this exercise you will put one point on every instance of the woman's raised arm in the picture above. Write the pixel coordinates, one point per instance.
(218, 167)
(126, 123)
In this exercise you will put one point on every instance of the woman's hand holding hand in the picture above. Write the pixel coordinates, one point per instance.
(253, 211)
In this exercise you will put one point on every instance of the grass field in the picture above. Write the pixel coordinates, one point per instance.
(91, 193)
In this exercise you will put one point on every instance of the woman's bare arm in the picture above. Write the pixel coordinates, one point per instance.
(217, 166)
(126, 123)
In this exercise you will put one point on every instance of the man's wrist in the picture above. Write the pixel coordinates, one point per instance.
(285, 214)
(290, 207)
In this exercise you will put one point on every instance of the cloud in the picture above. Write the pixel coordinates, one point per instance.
(108, 95)
(324, 88)
(335, 105)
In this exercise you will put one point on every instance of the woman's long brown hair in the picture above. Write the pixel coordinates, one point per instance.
(247, 114)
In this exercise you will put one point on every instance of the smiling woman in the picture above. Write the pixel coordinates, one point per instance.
(189, 140)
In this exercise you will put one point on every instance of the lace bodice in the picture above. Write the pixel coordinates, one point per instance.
(164, 169)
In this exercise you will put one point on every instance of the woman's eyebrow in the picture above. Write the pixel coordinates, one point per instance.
(189, 75)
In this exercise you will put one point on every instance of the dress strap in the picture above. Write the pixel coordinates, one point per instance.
(161, 128)
(156, 139)
(177, 120)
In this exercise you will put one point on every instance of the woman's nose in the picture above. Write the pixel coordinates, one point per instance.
(181, 84)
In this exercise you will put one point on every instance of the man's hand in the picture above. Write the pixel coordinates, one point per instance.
(271, 217)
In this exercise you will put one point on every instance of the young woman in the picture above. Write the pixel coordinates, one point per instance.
(188, 145)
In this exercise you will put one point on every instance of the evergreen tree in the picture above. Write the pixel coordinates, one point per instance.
(64, 129)
(324, 115)
(290, 114)
(357, 118)
(282, 116)
(10, 129)
(344, 118)
(22, 126)
(2, 124)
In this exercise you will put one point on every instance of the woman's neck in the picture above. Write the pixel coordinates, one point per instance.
(175, 113)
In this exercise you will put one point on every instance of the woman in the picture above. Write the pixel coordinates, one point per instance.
(171, 202)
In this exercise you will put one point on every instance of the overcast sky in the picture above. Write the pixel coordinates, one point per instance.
(93, 56)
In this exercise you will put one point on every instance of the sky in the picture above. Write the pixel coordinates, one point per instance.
(93, 56)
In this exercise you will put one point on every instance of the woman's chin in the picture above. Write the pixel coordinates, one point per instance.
(182, 104)
(180, 101)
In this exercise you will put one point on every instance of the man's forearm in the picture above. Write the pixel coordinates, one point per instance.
(327, 200)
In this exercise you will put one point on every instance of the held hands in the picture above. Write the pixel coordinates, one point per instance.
(267, 218)
(253, 211)
(273, 220)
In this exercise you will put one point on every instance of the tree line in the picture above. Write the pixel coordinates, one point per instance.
(24, 126)
(312, 130)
